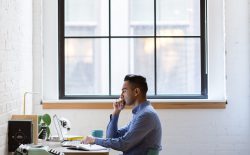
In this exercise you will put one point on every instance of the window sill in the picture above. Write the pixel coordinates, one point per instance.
(157, 104)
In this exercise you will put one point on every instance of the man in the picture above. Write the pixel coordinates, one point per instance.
(143, 132)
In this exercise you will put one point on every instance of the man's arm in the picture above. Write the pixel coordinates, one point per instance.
(112, 129)
(137, 132)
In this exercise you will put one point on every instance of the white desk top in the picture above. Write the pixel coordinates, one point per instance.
(57, 146)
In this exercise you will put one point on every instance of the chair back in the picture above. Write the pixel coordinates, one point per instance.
(153, 152)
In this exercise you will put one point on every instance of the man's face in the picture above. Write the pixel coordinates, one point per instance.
(128, 93)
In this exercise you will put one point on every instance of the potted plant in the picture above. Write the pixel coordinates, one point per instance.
(44, 122)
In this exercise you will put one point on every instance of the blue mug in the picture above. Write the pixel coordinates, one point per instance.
(97, 133)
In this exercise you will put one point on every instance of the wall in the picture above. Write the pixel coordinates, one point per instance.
(195, 132)
(186, 132)
(15, 61)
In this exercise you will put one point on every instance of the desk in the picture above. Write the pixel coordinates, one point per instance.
(57, 146)
(79, 152)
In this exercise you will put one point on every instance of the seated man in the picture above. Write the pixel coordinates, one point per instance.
(143, 132)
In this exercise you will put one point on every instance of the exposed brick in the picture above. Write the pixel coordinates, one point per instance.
(15, 60)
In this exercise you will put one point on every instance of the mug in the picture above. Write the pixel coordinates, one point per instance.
(97, 133)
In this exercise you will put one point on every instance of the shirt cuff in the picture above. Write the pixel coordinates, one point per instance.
(99, 141)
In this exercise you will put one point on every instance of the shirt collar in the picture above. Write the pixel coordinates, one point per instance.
(140, 106)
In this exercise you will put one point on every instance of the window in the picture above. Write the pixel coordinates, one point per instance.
(100, 41)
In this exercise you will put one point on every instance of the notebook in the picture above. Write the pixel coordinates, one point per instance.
(87, 147)
(62, 138)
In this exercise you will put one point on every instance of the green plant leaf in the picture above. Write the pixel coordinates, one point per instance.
(46, 119)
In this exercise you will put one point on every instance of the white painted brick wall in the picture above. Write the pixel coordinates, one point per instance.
(15, 60)
(37, 49)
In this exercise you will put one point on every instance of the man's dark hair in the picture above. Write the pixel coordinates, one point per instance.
(137, 81)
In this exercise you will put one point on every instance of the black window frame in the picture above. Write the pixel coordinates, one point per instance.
(203, 57)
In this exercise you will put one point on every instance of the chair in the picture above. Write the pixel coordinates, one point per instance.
(153, 152)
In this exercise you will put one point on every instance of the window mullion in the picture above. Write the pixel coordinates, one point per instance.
(155, 53)
(110, 85)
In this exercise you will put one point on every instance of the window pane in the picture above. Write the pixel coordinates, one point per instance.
(181, 15)
(127, 15)
(178, 66)
(134, 55)
(97, 60)
(86, 67)
(81, 14)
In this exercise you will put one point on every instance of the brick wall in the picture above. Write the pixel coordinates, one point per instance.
(15, 60)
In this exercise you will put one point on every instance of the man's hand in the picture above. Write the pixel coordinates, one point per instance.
(89, 140)
(118, 106)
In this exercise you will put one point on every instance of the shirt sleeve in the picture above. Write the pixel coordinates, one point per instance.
(112, 129)
(139, 128)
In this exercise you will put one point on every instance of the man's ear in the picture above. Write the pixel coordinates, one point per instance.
(137, 91)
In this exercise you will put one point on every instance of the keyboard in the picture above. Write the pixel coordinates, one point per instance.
(70, 143)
